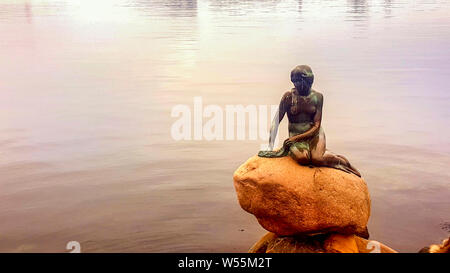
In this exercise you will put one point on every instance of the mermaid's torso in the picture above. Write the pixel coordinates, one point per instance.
(301, 111)
(298, 128)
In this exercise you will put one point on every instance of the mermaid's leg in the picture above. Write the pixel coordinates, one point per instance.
(321, 157)
(300, 152)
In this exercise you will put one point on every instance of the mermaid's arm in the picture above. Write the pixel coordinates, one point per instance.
(277, 119)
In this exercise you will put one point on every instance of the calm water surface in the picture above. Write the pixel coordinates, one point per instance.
(87, 89)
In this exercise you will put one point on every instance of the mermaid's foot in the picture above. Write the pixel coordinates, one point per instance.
(354, 170)
(350, 169)
(348, 166)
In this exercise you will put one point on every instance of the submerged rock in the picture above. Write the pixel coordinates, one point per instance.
(290, 199)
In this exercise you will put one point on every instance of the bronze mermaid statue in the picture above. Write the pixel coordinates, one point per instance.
(306, 143)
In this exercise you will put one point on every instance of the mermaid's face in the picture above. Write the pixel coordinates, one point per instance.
(302, 85)
(302, 78)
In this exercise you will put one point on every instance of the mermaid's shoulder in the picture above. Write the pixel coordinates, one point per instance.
(316, 93)
(287, 95)
(317, 97)
(286, 100)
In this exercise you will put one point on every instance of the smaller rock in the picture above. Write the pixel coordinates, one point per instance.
(371, 246)
(442, 248)
(272, 243)
(322, 243)
(337, 243)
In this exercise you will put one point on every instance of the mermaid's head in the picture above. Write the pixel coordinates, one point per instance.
(302, 78)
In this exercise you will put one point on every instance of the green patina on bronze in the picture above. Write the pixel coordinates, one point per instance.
(308, 74)
(306, 143)
(284, 151)
(280, 153)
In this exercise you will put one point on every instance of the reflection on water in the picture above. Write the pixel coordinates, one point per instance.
(186, 8)
(358, 9)
(87, 89)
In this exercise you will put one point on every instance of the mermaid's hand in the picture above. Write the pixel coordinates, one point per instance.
(288, 142)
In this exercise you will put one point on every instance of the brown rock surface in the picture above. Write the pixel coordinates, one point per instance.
(271, 243)
(337, 243)
(370, 246)
(323, 243)
(442, 248)
(289, 199)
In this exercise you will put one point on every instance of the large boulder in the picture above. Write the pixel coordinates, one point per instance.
(290, 199)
